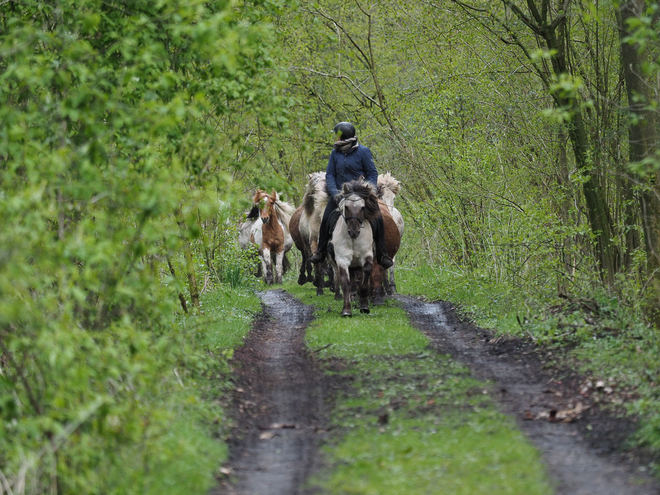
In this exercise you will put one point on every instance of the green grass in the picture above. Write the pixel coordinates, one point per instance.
(613, 344)
(182, 448)
(412, 421)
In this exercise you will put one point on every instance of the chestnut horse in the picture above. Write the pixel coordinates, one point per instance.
(388, 188)
(392, 243)
(352, 241)
(273, 237)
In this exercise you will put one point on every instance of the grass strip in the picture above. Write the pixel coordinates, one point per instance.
(411, 420)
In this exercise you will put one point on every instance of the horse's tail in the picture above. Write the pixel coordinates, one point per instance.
(386, 180)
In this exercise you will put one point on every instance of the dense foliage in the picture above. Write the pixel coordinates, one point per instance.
(115, 151)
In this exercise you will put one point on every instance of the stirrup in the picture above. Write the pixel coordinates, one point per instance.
(386, 262)
(317, 257)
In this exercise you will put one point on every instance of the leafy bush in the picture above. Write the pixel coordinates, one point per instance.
(112, 149)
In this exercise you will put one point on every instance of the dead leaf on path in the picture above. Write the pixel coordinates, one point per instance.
(528, 415)
(266, 435)
(281, 426)
(226, 471)
(563, 415)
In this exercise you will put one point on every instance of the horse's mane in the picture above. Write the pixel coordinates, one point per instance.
(284, 211)
(389, 182)
(367, 192)
(315, 193)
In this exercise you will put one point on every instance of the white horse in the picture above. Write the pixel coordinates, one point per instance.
(352, 241)
(388, 188)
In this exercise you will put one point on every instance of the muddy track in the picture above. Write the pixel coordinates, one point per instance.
(278, 403)
(577, 463)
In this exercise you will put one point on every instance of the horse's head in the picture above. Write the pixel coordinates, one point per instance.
(353, 212)
(264, 202)
(388, 188)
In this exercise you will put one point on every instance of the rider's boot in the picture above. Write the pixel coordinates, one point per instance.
(382, 257)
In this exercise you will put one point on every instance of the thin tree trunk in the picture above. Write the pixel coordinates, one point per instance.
(643, 137)
(190, 264)
(597, 208)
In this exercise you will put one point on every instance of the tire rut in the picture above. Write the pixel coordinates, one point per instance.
(575, 466)
(278, 403)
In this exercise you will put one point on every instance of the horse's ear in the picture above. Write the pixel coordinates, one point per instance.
(344, 188)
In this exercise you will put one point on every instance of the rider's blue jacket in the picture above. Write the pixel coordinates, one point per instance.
(345, 168)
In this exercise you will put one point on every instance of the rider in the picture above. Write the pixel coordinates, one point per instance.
(348, 161)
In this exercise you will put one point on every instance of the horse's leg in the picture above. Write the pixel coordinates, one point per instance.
(302, 279)
(391, 287)
(386, 282)
(309, 268)
(346, 287)
(363, 290)
(279, 266)
(377, 284)
(331, 277)
(318, 278)
(336, 282)
(267, 266)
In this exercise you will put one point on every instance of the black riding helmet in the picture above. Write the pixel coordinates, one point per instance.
(347, 130)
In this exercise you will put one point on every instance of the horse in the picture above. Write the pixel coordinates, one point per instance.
(392, 243)
(313, 205)
(388, 188)
(273, 237)
(305, 266)
(352, 241)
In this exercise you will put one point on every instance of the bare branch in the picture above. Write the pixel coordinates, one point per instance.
(339, 76)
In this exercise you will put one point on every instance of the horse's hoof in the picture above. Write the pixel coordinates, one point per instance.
(347, 312)
(338, 296)
(319, 291)
(377, 301)
(364, 310)
(302, 280)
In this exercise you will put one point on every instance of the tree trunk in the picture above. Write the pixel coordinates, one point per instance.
(643, 137)
(598, 212)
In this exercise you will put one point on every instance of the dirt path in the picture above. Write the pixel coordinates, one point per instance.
(278, 403)
(526, 391)
(280, 395)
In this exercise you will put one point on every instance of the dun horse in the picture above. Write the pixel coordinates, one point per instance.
(352, 241)
(311, 211)
(271, 234)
